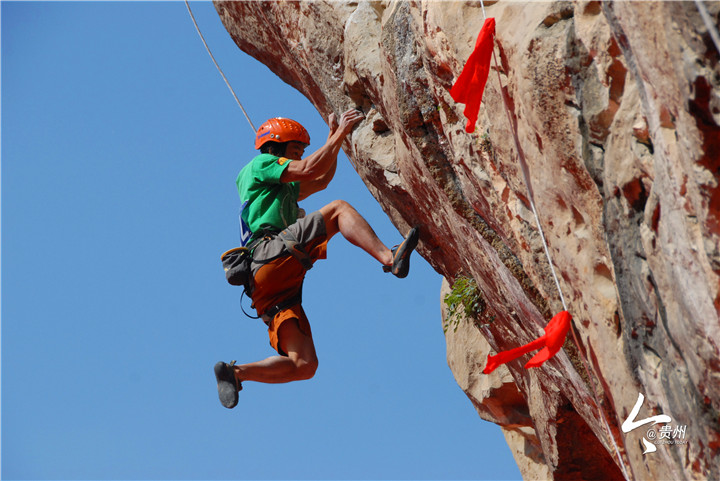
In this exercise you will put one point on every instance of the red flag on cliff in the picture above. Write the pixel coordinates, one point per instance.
(469, 86)
(551, 342)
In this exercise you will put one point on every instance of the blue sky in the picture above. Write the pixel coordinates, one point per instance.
(120, 146)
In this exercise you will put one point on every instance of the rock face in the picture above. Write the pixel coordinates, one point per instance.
(616, 109)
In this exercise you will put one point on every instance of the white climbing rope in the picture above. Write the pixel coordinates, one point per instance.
(187, 4)
(524, 168)
(712, 28)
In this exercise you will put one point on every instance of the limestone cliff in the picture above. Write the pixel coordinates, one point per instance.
(616, 106)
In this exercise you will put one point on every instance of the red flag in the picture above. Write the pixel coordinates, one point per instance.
(469, 86)
(551, 342)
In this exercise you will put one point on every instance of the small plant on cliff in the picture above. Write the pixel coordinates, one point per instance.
(465, 301)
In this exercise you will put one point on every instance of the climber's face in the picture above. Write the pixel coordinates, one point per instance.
(295, 150)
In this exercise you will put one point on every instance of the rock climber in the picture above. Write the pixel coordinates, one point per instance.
(284, 244)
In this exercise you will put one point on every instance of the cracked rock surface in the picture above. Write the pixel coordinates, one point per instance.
(616, 106)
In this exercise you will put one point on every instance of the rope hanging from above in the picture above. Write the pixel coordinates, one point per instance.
(187, 4)
(469, 91)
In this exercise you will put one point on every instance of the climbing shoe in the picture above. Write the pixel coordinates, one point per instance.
(228, 386)
(401, 254)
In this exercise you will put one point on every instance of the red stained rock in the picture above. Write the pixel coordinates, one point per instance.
(615, 106)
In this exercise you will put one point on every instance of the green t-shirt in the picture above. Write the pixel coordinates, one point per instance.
(264, 199)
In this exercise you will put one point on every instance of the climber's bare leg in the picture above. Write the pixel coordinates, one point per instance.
(300, 363)
(341, 217)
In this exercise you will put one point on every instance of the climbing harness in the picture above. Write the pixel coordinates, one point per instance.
(270, 314)
(237, 263)
(566, 320)
(187, 4)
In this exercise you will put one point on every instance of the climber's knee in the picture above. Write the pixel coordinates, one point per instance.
(333, 212)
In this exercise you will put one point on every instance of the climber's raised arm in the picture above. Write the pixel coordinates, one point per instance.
(318, 168)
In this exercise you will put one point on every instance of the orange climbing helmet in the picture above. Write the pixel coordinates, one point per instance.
(281, 130)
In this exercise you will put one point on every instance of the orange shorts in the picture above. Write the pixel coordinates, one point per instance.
(293, 312)
(282, 277)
